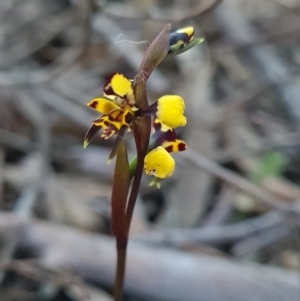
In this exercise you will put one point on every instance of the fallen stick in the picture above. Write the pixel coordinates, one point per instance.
(152, 272)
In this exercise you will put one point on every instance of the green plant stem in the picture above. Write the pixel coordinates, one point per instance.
(132, 165)
(120, 269)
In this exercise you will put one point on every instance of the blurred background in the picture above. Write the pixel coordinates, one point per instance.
(225, 226)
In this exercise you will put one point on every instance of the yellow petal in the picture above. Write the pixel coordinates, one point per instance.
(170, 110)
(159, 163)
(103, 105)
(119, 85)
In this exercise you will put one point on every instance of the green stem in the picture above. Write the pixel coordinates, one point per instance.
(132, 165)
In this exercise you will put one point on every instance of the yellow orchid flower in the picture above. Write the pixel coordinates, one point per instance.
(159, 163)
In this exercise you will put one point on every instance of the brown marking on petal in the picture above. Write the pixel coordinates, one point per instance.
(107, 86)
(181, 146)
(169, 149)
(91, 133)
(93, 104)
(161, 137)
(114, 117)
(156, 125)
(107, 89)
(128, 118)
(170, 135)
